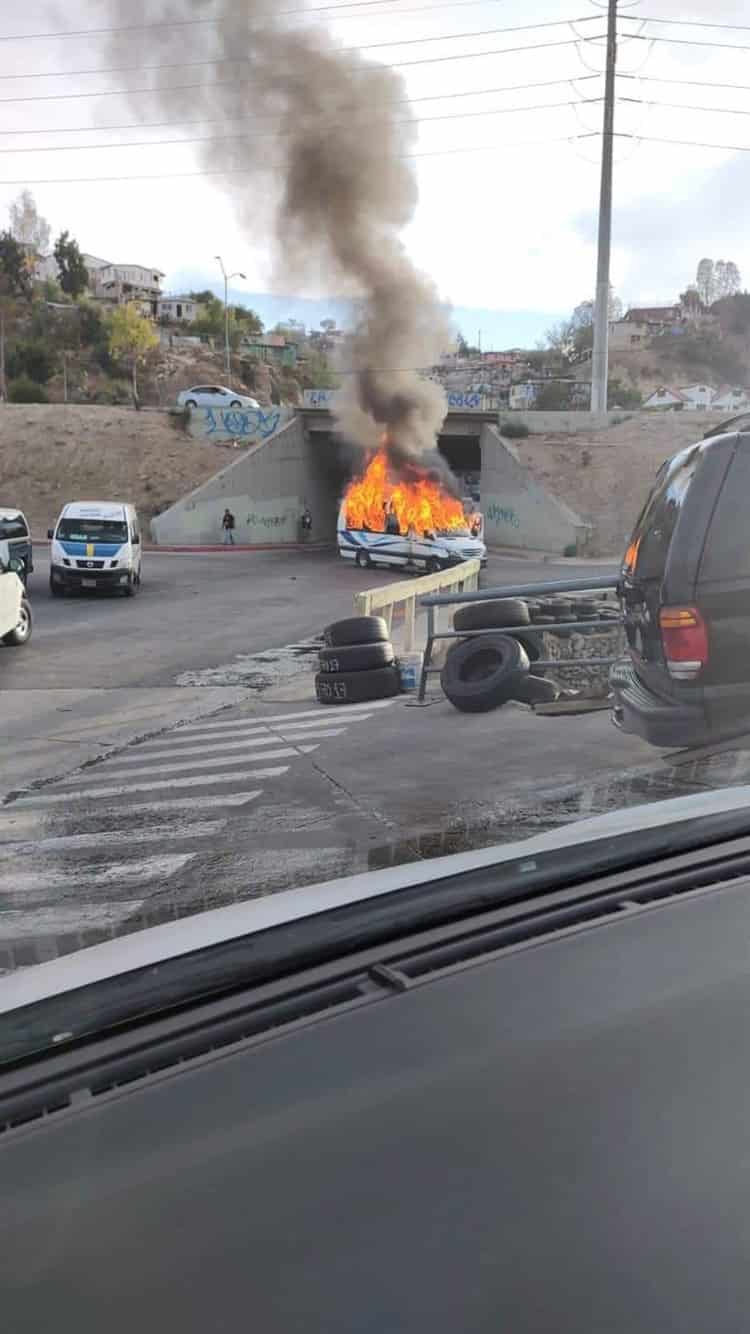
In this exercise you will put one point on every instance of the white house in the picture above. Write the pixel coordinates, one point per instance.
(698, 396)
(665, 398)
(178, 308)
(730, 399)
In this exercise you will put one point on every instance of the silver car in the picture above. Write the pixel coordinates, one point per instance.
(214, 396)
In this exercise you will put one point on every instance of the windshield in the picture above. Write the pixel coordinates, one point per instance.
(92, 530)
(431, 555)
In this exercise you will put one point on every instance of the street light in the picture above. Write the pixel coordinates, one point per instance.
(227, 279)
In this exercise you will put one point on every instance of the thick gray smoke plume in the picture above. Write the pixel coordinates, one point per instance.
(316, 144)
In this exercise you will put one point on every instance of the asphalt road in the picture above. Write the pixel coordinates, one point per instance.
(140, 781)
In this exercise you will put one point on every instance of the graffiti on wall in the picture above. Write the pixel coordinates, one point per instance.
(242, 423)
(270, 521)
(458, 400)
(318, 398)
(502, 514)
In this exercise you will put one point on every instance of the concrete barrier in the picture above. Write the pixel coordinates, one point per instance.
(401, 599)
(250, 426)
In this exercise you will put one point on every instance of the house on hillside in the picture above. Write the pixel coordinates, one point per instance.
(270, 347)
(180, 309)
(117, 284)
(664, 397)
(627, 333)
(730, 399)
(698, 396)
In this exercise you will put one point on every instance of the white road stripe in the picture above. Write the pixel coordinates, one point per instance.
(112, 838)
(199, 803)
(113, 770)
(63, 920)
(142, 754)
(344, 710)
(23, 824)
(138, 786)
(17, 883)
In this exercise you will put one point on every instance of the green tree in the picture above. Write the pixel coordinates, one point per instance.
(74, 276)
(15, 279)
(33, 359)
(131, 337)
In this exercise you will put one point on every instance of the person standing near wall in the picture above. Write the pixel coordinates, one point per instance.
(227, 524)
(305, 523)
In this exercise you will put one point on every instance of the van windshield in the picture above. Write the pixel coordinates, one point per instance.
(647, 554)
(92, 530)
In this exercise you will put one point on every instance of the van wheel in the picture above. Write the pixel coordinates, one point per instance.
(362, 560)
(131, 587)
(22, 632)
(56, 590)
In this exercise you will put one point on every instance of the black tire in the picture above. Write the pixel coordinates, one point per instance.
(235, 403)
(531, 643)
(536, 690)
(538, 618)
(21, 633)
(131, 587)
(563, 611)
(356, 657)
(362, 559)
(356, 630)
(482, 674)
(56, 590)
(434, 566)
(191, 403)
(357, 687)
(491, 615)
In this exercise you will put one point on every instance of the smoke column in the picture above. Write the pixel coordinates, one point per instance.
(314, 141)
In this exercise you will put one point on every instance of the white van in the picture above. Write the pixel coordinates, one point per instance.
(15, 610)
(367, 548)
(95, 544)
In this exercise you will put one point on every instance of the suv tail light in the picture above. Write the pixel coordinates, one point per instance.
(685, 640)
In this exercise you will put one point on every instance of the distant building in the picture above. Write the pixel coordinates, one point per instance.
(698, 396)
(627, 334)
(664, 397)
(270, 347)
(180, 309)
(730, 399)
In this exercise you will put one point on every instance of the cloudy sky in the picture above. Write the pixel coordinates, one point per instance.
(506, 160)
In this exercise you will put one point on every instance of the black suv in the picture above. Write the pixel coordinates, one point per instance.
(685, 589)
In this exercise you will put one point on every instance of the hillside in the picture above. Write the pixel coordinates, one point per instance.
(52, 454)
(605, 476)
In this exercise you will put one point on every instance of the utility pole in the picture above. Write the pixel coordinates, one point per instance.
(599, 367)
(227, 279)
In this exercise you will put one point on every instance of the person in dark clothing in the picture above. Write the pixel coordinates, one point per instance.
(392, 524)
(227, 524)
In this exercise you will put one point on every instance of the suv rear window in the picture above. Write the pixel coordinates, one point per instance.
(726, 554)
(13, 528)
(646, 556)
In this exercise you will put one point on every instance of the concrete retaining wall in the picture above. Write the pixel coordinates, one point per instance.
(570, 423)
(266, 489)
(518, 512)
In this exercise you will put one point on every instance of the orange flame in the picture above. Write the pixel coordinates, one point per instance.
(421, 507)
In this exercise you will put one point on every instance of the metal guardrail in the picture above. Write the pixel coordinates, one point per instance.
(389, 596)
(434, 601)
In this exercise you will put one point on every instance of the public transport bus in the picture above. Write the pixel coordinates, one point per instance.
(368, 548)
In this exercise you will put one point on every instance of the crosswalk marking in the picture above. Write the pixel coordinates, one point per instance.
(122, 790)
(220, 747)
(142, 871)
(345, 711)
(111, 838)
(65, 919)
(146, 770)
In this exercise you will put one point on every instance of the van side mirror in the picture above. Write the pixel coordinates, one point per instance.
(16, 565)
(50, 533)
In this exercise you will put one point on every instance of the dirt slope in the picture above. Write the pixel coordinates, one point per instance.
(605, 476)
(51, 454)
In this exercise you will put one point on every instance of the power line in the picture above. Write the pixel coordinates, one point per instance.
(686, 41)
(246, 171)
(223, 120)
(688, 83)
(671, 106)
(684, 143)
(247, 60)
(272, 134)
(685, 23)
(187, 87)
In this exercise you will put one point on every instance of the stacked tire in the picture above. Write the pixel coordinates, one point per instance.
(357, 662)
(484, 672)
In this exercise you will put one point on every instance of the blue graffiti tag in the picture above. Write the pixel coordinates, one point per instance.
(249, 423)
(502, 514)
(464, 400)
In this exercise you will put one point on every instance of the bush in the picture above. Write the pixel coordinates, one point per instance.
(24, 390)
(514, 430)
(570, 550)
(30, 359)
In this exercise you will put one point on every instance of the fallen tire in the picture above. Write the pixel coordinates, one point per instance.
(536, 690)
(357, 687)
(482, 674)
(356, 657)
(356, 630)
(531, 643)
(493, 615)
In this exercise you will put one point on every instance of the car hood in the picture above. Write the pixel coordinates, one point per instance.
(155, 944)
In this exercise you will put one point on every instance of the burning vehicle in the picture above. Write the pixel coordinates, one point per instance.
(406, 520)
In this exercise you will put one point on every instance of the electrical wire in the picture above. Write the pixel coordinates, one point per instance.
(271, 134)
(684, 143)
(686, 41)
(687, 83)
(246, 60)
(223, 120)
(679, 106)
(686, 23)
(246, 171)
(186, 87)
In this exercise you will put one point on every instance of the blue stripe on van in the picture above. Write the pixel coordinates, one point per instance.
(101, 549)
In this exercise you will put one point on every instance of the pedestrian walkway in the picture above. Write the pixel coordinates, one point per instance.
(166, 819)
